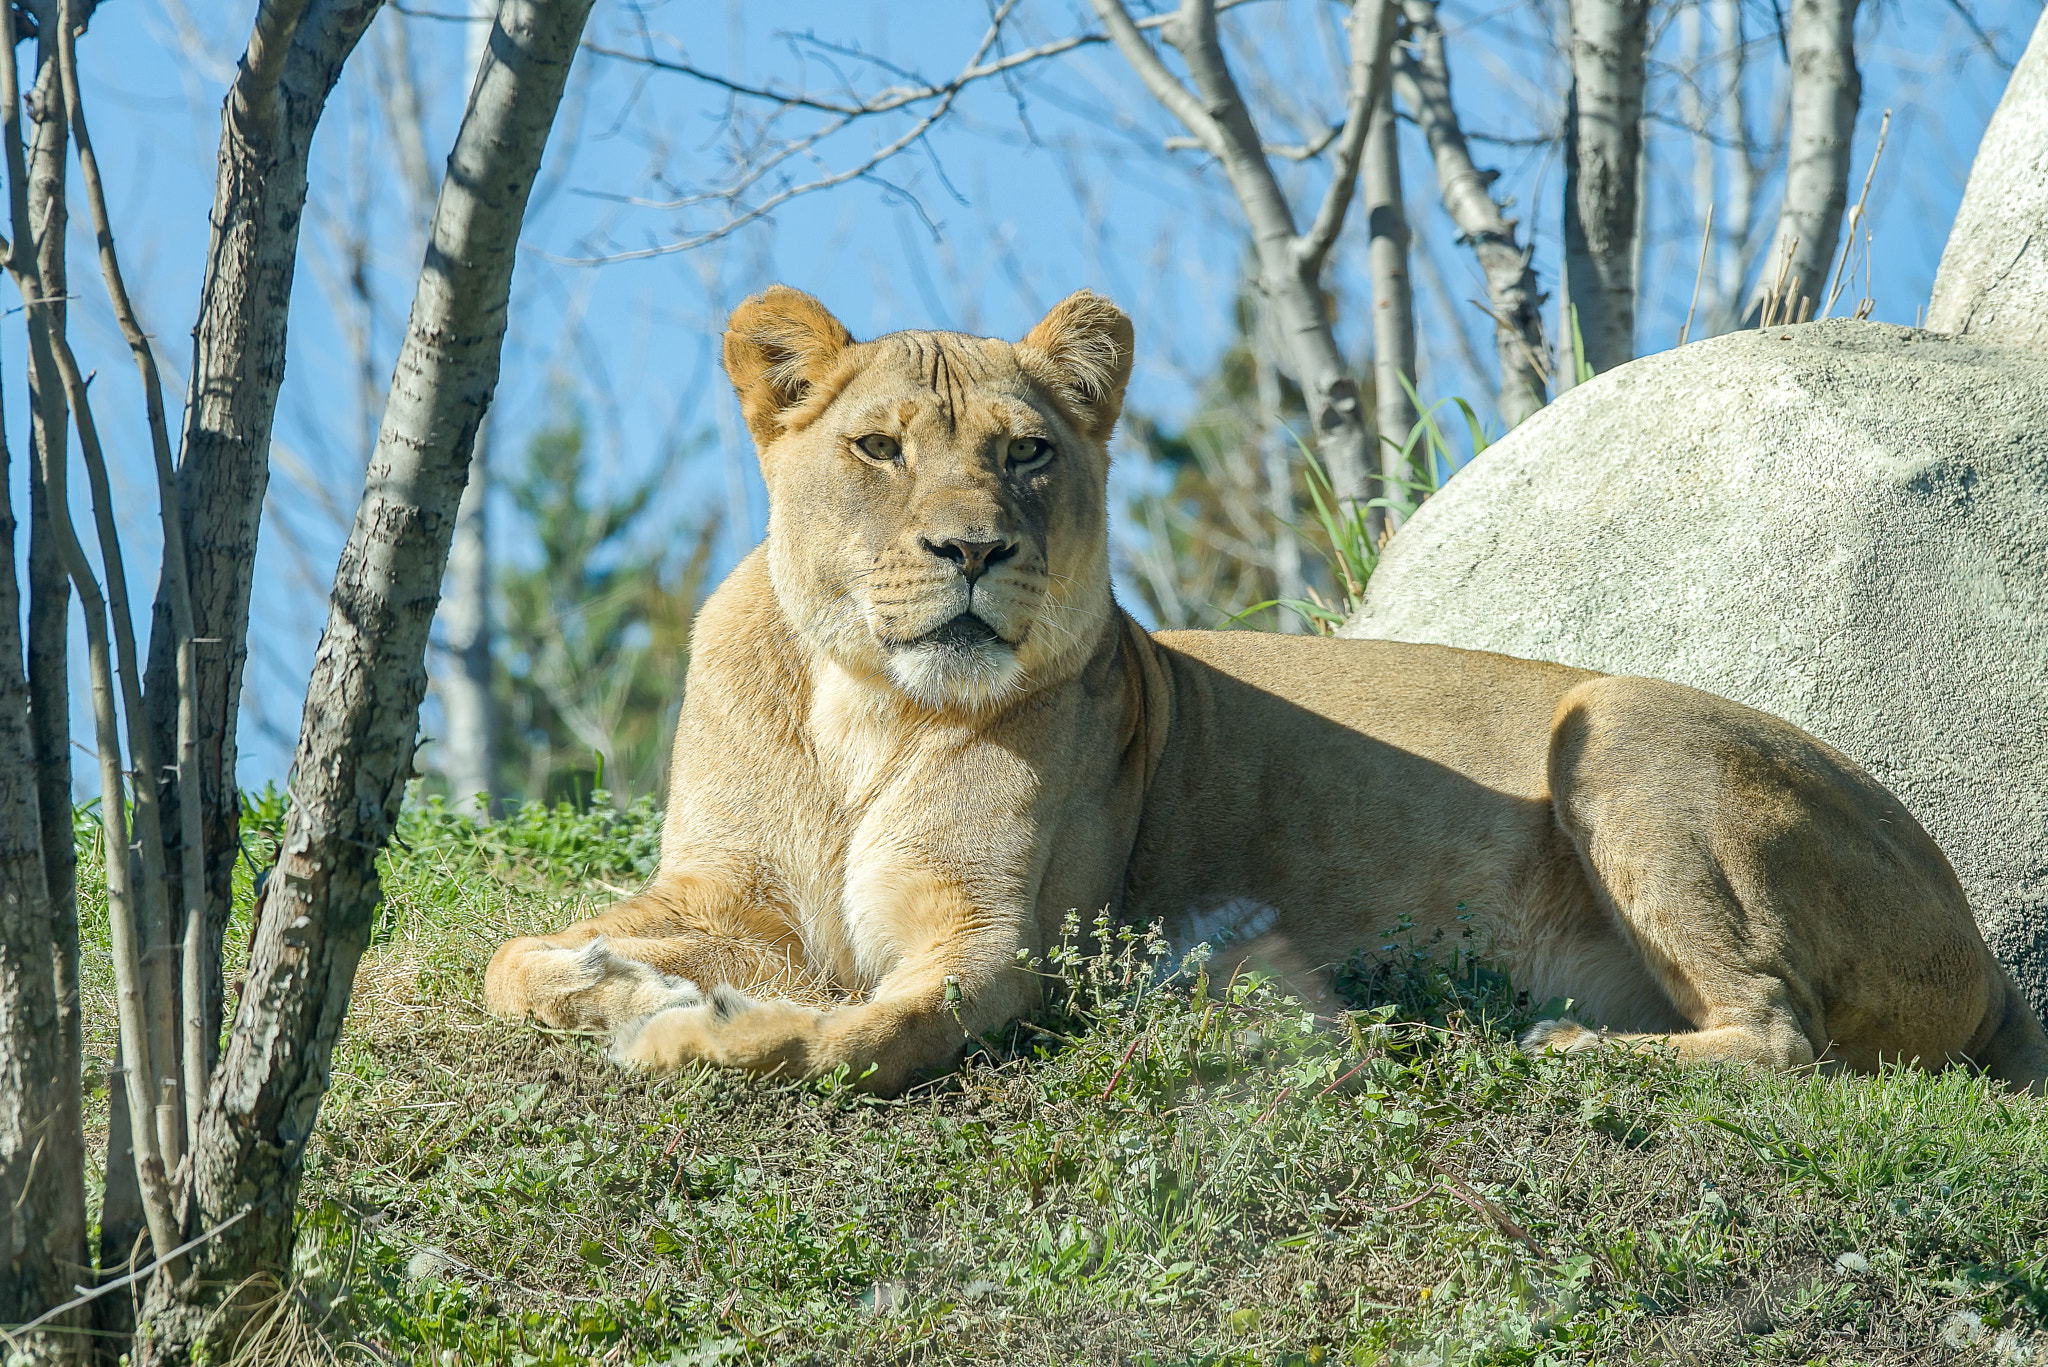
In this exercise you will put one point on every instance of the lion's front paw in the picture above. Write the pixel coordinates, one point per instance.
(731, 1029)
(666, 1040)
(1565, 1035)
(586, 988)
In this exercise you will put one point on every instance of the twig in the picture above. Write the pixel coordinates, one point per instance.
(1267, 1114)
(165, 1081)
(1488, 1210)
(87, 1297)
(1706, 238)
(1122, 1064)
(885, 101)
(947, 95)
(1433, 1190)
(1307, 151)
(1856, 215)
(1344, 1079)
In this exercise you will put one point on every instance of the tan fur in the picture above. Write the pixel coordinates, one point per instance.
(878, 800)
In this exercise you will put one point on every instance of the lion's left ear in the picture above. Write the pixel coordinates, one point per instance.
(1082, 351)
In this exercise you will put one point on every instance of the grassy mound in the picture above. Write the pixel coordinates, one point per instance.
(1152, 1173)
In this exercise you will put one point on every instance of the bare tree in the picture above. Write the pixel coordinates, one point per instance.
(1993, 280)
(42, 1149)
(362, 709)
(1290, 261)
(295, 56)
(230, 1168)
(53, 1206)
(1603, 150)
(1827, 90)
(1422, 78)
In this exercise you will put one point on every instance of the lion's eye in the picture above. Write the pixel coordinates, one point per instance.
(1028, 450)
(880, 449)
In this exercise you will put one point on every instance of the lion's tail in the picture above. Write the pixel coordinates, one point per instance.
(2011, 1046)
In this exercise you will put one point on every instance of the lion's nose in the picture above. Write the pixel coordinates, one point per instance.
(973, 557)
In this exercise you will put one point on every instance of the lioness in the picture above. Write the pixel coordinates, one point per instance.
(918, 731)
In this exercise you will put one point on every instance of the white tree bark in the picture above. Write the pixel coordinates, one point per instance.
(295, 56)
(42, 1155)
(1993, 280)
(1422, 78)
(1826, 93)
(469, 745)
(1276, 468)
(1603, 146)
(1732, 262)
(1393, 309)
(1290, 263)
(48, 666)
(362, 709)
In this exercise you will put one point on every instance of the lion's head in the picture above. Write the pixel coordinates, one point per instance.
(937, 502)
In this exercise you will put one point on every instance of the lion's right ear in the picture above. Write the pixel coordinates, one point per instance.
(778, 345)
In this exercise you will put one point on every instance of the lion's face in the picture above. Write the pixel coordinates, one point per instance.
(937, 502)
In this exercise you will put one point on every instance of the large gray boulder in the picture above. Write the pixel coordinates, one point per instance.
(1844, 524)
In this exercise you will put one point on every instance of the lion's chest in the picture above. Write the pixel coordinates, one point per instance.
(876, 778)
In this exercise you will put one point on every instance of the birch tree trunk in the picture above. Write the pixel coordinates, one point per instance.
(1393, 309)
(356, 742)
(1422, 78)
(42, 1149)
(296, 52)
(469, 748)
(1993, 280)
(1276, 468)
(1733, 262)
(1603, 145)
(1290, 263)
(49, 681)
(469, 723)
(1826, 93)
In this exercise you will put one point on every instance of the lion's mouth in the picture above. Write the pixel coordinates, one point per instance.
(964, 634)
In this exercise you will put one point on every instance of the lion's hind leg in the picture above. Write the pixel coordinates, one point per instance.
(1789, 907)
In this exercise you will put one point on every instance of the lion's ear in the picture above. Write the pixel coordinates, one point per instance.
(1082, 350)
(778, 344)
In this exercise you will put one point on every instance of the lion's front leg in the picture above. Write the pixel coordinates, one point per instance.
(961, 982)
(661, 950)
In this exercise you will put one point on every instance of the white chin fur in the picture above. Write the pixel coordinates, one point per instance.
(948, 676)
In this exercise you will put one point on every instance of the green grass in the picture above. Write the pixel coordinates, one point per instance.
(1153, 1174)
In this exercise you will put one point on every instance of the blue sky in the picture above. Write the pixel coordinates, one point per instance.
(1029, 189)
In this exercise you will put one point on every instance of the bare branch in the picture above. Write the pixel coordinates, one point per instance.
(1300, 151)
(1422, 78)
(885, 101)
(1371, 33)
(1288, 275)
(193, 1047)
(253, 97)
(1164, 85)
(122, 896)
(777, 200)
